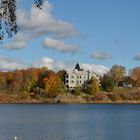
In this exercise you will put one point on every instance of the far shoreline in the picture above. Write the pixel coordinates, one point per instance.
(70, 103)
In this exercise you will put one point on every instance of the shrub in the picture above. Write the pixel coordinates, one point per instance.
(77, 90)
(23, 94)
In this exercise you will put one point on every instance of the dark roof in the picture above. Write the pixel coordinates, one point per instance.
(77, 67)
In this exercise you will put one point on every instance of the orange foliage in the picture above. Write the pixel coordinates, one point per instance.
(52, 84)
(135, 75)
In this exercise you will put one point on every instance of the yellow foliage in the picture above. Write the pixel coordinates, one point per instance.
(93, 87)
(52, 84)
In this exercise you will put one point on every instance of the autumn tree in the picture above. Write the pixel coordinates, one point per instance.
(43, 72)
(135, 76)
(9, 80)
(30, 79)
(117, 72)
(93, 87)
(52, 84)
(8, 23)
(62, 74)
(17, 81)
(3, 83)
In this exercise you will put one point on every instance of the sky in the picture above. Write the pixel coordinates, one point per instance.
(95, 33)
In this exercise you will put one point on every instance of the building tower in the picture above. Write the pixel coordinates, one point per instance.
(77, 67)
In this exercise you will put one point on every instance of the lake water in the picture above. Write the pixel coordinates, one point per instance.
(69, 122)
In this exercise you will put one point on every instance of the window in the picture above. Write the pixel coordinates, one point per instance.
(72, 76)
(72, 81)
(80, 77)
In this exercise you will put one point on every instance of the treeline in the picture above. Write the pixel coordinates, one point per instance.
(44, 83)
(32, 82)
(120, 85)
(117, 77)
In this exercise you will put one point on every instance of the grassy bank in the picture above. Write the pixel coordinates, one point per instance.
(66, 98)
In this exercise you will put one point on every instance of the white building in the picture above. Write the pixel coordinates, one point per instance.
(78, 77)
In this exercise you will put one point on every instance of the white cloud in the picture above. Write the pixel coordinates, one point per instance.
(59, 65)
(137, 57)
(8, 64)
(51, 63)
(99, 69)
(42, 22)
(46, 61)
(100, 55)
(16, 45)
(37, 23)
(60, 46)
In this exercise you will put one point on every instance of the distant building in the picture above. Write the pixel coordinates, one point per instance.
(78, 77)
(127, 85)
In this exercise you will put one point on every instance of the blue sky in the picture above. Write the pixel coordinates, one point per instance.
(95, 33)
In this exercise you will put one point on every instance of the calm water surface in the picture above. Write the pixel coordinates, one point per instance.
(70, 122)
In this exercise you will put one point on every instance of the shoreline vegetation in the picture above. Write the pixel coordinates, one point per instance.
(41, 85)
(66, 98)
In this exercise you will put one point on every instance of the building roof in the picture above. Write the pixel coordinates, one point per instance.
(77, 67)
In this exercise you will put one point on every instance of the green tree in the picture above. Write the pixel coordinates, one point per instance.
(77, 90)
(61, 75)
(117, 73)
(107, 83)
(93, 87)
